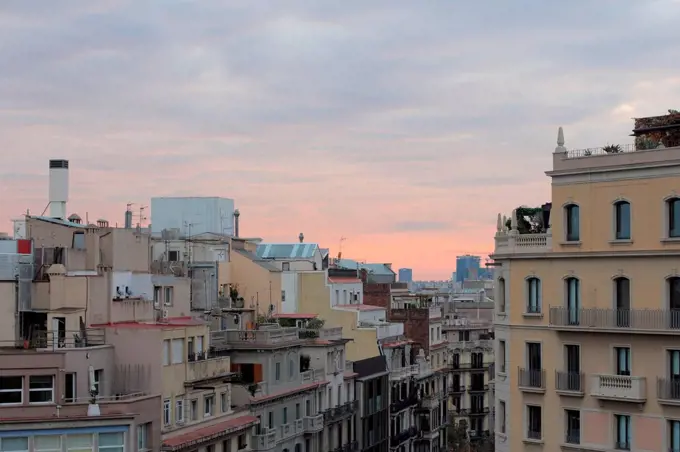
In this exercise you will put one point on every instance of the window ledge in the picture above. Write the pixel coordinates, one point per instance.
(502, 314)
(533, 315)
(501, 375)
(571, 243)
(533, 441)
(621, 242)
(670, 240)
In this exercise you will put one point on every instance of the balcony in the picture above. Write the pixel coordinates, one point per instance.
(623, 388)
(400, 405)
(478, 411)
(531, 380)
(470, 366)
(455, 390)
(312, 375)
(403, 372)
(255, 339)
(627, 321)
(201, 366)
(57, 340)
(570, 383)
(477, 388)
(403, 436)
(341, 412)
(482, 344)
(313, 424)
(265, 439)
(668, 391)
(291, 429)
(431, 401)
(352, 446)
(512, 242)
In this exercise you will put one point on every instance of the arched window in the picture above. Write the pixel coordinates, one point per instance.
(533, 295)
(673, 212)
(573, 300)
(622, 220)
(622, 301)
(572, 223)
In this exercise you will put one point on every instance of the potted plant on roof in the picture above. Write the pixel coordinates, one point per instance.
(93, 407)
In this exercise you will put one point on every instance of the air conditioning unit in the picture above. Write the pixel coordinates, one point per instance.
(165, 314)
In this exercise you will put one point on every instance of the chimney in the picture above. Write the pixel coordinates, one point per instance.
(236, 215)
(301, 237)
(58, 188)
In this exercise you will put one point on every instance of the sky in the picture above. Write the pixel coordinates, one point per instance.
(403, 126)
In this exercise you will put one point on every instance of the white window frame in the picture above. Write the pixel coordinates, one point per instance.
(225, 402)
(177, 355)
(179, 410)
(80, 448)
(120, 446)
(209, 405)
(167, 412)
(193, 406)
(61, 443)
(98, 378)
(166, 352)
(143, 437)
(47, 390)
(168, 295)
(20, 391)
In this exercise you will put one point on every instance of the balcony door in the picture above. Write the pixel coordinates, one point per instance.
(534, 364)
(622, 300)
(674, 373)
(572, 356)
(622, 355)
(674, 301)
(573, 300)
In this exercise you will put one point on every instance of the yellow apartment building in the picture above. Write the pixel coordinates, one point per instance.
(588, 302)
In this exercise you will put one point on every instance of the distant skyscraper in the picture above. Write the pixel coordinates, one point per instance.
(405, 275)
(467, 267)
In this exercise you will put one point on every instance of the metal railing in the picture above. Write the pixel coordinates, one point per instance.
(471, 366)
(534, 434)
(616, 319)
(255, 338)
(403, 436)
(668, 389)
(470, 345)
(531, 378)
(569, 381)
(457, 389)
(341, 412)
(478, 388)
(399, 405)
(573, 437)
(602, 150)
(64, 339)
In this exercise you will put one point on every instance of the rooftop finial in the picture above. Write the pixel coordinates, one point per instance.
(560, 141)
(499, 224)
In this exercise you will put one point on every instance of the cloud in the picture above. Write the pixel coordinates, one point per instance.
(334, 119)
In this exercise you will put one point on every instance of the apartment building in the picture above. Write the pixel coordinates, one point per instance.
(472, 357)
(372, 392)
(403, 395)
(587, 297)
(431, 411)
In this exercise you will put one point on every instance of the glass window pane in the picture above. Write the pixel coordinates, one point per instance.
(47, 443)
(10, 383)
(41, 381)
(76, 441)
(111, 439)
(17, 444)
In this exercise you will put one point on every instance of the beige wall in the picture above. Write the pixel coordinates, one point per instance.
(256, 283)
(315, 297)
(7, 319)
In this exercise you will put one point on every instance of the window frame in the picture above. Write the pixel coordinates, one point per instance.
(167, 412)
(179, 410)
(619, 233)
(618, 432)
(58, 436)
(209, 405)
(168, 295)
(120, 446)
(533, 306)
(17, 437)
(529, 418)
(671, 203)
(20, 390)
(569, 235)
(49, 390)
(143, 437)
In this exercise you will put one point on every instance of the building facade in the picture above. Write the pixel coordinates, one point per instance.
(467, 267)
(372, 392)
(405, 275)
(588, 292)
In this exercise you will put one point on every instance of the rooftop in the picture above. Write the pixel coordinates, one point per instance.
(209, 433)
(172, 322)
(359, 307)
(375, 269)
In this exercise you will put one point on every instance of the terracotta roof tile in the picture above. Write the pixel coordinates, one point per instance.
(219, 429)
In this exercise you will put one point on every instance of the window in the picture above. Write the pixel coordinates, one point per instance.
(534, 430)
(143, 441)
(11, 390)
(573, 427)
(573, 289)
(674, 436)
(70, 388)
(501, 295)
(47, 443)
(297, 411)
(271, 419)
(277, 371)
(156, 296)
(173, 256)
(501, 416)
(622, 220)
(112, 442)
(194, 409)
(673, 217)
(41, 388)
(177, 351)
(622, 356)
(79, 240)
(533, 295)
(242, 441)
(674, 301)
(208, 405)
(291, 368)
(167, 301)
(191, 352)
(179, 409)
(98, 379)
(79, 443)
(166, 412)
(622, 429)
(166, 352)
(285, 266)
(285, 415)
(14, 444)
(571, 216)
(225, 403)
(622, 300)
(501, 356)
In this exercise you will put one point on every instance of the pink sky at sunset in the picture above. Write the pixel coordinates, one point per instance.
(404, 127)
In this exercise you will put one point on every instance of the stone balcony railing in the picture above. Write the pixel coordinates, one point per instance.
(291, 429)
(623, 388)
(640, 321)
(313, 424)
(404, 372)
(485, 344)
(265, 439)
(255, 338)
